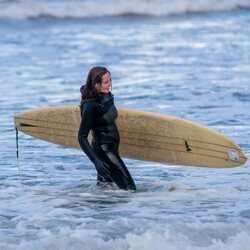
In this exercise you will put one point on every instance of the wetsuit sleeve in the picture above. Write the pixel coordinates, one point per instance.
(88, 116)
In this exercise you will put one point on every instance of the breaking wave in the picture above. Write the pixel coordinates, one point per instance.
(61, 9)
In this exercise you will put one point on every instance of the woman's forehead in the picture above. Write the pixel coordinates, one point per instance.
(106, 76)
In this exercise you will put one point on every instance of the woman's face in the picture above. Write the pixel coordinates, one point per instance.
(106, 83)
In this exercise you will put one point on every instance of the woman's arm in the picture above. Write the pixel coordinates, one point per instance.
(88, 116)
(85, 127)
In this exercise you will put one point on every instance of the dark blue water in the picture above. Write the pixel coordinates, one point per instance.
(195, 66)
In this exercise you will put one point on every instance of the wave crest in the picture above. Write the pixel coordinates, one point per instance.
(87, 9)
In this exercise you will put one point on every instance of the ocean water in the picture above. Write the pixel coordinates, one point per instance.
(189, 59)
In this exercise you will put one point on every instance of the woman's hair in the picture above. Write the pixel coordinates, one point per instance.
(89, 91)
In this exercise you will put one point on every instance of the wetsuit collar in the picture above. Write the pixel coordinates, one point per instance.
(105, 97)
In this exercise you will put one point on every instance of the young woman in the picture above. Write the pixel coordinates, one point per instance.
(98, 115)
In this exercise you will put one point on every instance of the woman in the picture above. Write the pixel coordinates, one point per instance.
(98, 115)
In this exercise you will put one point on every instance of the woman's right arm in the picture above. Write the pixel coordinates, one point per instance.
(88, 116)
(85, 127)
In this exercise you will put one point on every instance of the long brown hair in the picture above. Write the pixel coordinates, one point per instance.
(89, 91)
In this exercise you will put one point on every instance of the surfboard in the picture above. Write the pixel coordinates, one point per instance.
(143, 136)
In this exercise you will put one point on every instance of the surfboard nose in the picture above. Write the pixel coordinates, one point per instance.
(244, 157)
(237, 155)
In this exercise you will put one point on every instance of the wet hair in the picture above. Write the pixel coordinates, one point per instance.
(89, 91)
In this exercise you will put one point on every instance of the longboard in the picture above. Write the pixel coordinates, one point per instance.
(143, 135)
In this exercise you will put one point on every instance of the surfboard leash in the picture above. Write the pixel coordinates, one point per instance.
(17, 150)
(17, 156)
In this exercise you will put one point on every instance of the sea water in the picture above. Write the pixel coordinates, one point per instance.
(189, 59)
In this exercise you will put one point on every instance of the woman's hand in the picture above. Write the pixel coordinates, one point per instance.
(102, 168)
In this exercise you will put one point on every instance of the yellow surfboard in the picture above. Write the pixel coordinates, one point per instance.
(144, 136)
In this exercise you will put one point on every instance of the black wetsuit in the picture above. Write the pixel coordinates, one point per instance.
(99, 117)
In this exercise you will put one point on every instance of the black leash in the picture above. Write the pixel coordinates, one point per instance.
(17, 156)
(17, 151)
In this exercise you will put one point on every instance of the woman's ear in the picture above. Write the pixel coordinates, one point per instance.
(98, 87)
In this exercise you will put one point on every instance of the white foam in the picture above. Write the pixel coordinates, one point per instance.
(78, 9)
(171, 236)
